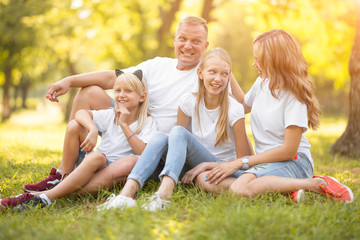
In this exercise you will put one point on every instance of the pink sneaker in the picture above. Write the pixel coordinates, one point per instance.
(14, 201)
(298, 196)
(335, 190)
(49, 182)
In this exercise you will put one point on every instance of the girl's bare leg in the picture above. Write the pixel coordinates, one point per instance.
(79, 177)
(115, 173)
(74, 136)
(166, 187)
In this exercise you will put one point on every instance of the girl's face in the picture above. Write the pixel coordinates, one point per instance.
(256, 53)
(127, 97)
(215, 74)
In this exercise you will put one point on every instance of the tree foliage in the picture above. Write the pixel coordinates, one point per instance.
(44, 41)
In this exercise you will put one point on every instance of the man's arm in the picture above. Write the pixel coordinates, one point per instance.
(104, 79)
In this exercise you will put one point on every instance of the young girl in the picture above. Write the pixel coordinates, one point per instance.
(283, 106)
(125, 132)
(218, 135)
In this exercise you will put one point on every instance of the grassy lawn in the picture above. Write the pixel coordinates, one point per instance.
(31, 143)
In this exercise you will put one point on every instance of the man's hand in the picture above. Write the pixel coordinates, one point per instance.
(57, 89)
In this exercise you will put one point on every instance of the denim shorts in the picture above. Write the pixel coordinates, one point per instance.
(297, 168)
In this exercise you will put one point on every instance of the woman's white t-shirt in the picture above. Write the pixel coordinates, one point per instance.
(114, 144)
(270, 117)
(208, 119)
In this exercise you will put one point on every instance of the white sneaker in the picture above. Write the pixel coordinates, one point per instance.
(118, 201)
(155, 203)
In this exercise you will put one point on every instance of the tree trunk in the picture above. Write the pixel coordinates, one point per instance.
(164, 31)
(6, 110)
(349, 143)
(24, 93)
(208, 6)
(16, 94)
(72, 91)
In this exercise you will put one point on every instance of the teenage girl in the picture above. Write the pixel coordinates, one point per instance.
(125, 132)
(283, 107)
(217, 134)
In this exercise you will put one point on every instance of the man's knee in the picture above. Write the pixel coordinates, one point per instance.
(73, 126)
(92, 96)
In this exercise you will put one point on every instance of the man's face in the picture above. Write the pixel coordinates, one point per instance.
(190, 44)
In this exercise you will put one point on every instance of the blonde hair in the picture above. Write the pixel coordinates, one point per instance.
(139, 86)
(223, 123)
(193, 21)
(281, 60)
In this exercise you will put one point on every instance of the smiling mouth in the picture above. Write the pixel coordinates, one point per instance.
(215, 85)
(187, 54)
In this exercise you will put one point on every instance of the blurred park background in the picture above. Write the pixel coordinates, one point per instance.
(44, 41)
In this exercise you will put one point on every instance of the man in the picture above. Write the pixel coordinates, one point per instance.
(167, 80)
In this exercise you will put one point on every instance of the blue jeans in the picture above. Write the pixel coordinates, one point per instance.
(183, 149)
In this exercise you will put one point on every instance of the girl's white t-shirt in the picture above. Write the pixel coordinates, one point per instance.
(270, 117)
(206, 134)
(114, 144)
(166, 84)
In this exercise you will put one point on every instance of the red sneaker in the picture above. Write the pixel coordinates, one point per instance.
(298, 196)
(14, 201)
(335, 190)
(49, 182)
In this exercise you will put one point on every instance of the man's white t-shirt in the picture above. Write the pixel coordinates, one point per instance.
(166, 84)
(114, 144)
(270, 117)
(208, 119)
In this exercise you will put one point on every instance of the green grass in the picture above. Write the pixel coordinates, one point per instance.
(31, 143)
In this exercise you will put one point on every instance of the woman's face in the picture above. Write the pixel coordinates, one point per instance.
(256, 53)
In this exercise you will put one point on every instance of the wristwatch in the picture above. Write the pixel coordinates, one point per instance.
(245, 163)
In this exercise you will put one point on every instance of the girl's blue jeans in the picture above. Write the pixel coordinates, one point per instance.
(182, 149)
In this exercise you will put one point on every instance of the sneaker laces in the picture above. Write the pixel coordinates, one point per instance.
(155, 202)
(328, 190)
(108, 200)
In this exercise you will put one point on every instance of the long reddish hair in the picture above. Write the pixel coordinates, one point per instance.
(282, 62)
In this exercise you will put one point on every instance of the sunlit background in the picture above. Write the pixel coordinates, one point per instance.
(44, 41)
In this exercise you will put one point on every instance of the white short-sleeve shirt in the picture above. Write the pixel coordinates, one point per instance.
(114, 144)
(166, 84)
(206, 134)
(270, 117)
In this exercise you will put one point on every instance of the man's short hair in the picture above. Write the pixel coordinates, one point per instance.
(193, 20)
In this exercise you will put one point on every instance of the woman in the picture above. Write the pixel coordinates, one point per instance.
(282, 106)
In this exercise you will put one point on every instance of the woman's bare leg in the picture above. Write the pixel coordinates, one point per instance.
(211, 187)
(248, 185)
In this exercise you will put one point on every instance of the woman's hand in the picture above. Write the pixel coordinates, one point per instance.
(90, 141)
(192, 174)
(222, 171)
